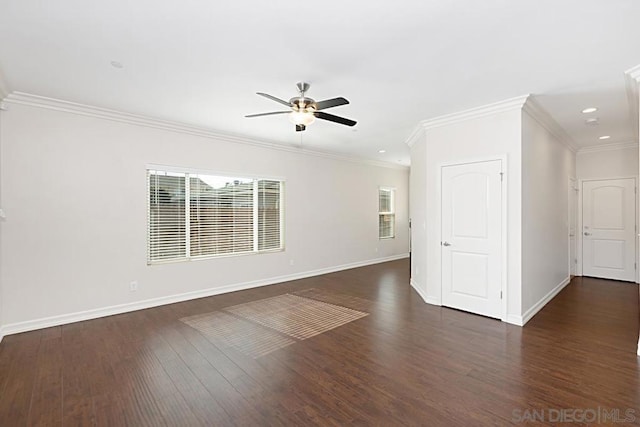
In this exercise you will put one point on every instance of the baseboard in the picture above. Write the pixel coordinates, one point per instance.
(426, 298)
(47, 322)
(528, 315)
(1, 334)
(433, 300)
(514, 320)
(419, 291)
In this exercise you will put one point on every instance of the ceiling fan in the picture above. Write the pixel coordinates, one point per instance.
(304, 110)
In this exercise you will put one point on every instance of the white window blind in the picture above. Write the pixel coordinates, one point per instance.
(212, 215)
(167, 226)
(386, 213)
(269, 214)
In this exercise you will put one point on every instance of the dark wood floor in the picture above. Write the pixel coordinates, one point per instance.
(407, 363)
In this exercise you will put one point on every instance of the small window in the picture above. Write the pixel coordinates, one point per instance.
(386, 213)
(193, 215)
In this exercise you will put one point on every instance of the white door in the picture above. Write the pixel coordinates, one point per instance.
(472, 237)
(573, 209)
(608, 232)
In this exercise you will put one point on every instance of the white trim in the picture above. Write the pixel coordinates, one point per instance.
(433, 300)
(30, 325)
(416, 288)
(540, 115)
(139, 120)
(522, 320)
(474, 113)
(1, 333)
(214, 172)
(415, 136)
(608, 147)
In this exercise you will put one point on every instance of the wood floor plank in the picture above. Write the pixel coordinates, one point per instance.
(405, 363)
(46, 398)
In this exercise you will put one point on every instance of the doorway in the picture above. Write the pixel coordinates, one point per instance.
(609, 229)
(471, 232)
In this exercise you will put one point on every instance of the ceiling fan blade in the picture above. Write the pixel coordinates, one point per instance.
(267, 114)
(273, 98)
(336, 119)
(328, 103)
(300, 128)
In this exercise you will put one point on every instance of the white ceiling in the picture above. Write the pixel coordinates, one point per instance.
(201, 61)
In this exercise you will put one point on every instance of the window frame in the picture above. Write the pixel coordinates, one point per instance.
(391, 213)
(188, 175)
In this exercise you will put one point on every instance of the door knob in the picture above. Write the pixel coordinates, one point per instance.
(446, 244)
(586, 233)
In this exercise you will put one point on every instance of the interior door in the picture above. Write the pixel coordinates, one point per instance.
(608, 232)
(472, 237)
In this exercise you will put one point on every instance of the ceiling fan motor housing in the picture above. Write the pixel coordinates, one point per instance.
(302, 104)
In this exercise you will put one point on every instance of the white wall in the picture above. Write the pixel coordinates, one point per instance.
(547, 165)
(418, 215)
(603, 162)
(74, 191)
(488, 137)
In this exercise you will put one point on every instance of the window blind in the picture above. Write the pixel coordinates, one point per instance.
(211, 215)
(386, 213)
(269, 214)
(167, 226)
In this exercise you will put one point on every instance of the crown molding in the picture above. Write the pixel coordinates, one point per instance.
(634, 73)
(632, 82)
(539, 114)
(474, 113)
(415, 136)
(609, 147)
(27, 99)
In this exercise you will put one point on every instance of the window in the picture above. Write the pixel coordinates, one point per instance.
(386, 213)
(194, 215)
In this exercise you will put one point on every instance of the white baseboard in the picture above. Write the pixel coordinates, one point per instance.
(47, 322)
(419, 291)
(528, 315)
(433, 300)
(426, 298)
(1, 333)
(514, 320)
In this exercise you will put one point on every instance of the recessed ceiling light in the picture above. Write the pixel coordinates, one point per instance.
(592, 122)
(116, 64)
(382, 151)
(589, 110)
(604, 137)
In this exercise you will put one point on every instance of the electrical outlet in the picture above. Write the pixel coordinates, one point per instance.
(291, 262)
(133, 286)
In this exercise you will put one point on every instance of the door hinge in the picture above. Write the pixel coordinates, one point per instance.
(500, 294)
(501, 176)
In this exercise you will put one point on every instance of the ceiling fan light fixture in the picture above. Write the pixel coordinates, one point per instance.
(301, 118)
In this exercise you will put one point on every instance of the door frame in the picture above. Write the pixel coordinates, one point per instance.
(574, 198)
(503, 229)
(579, 225)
